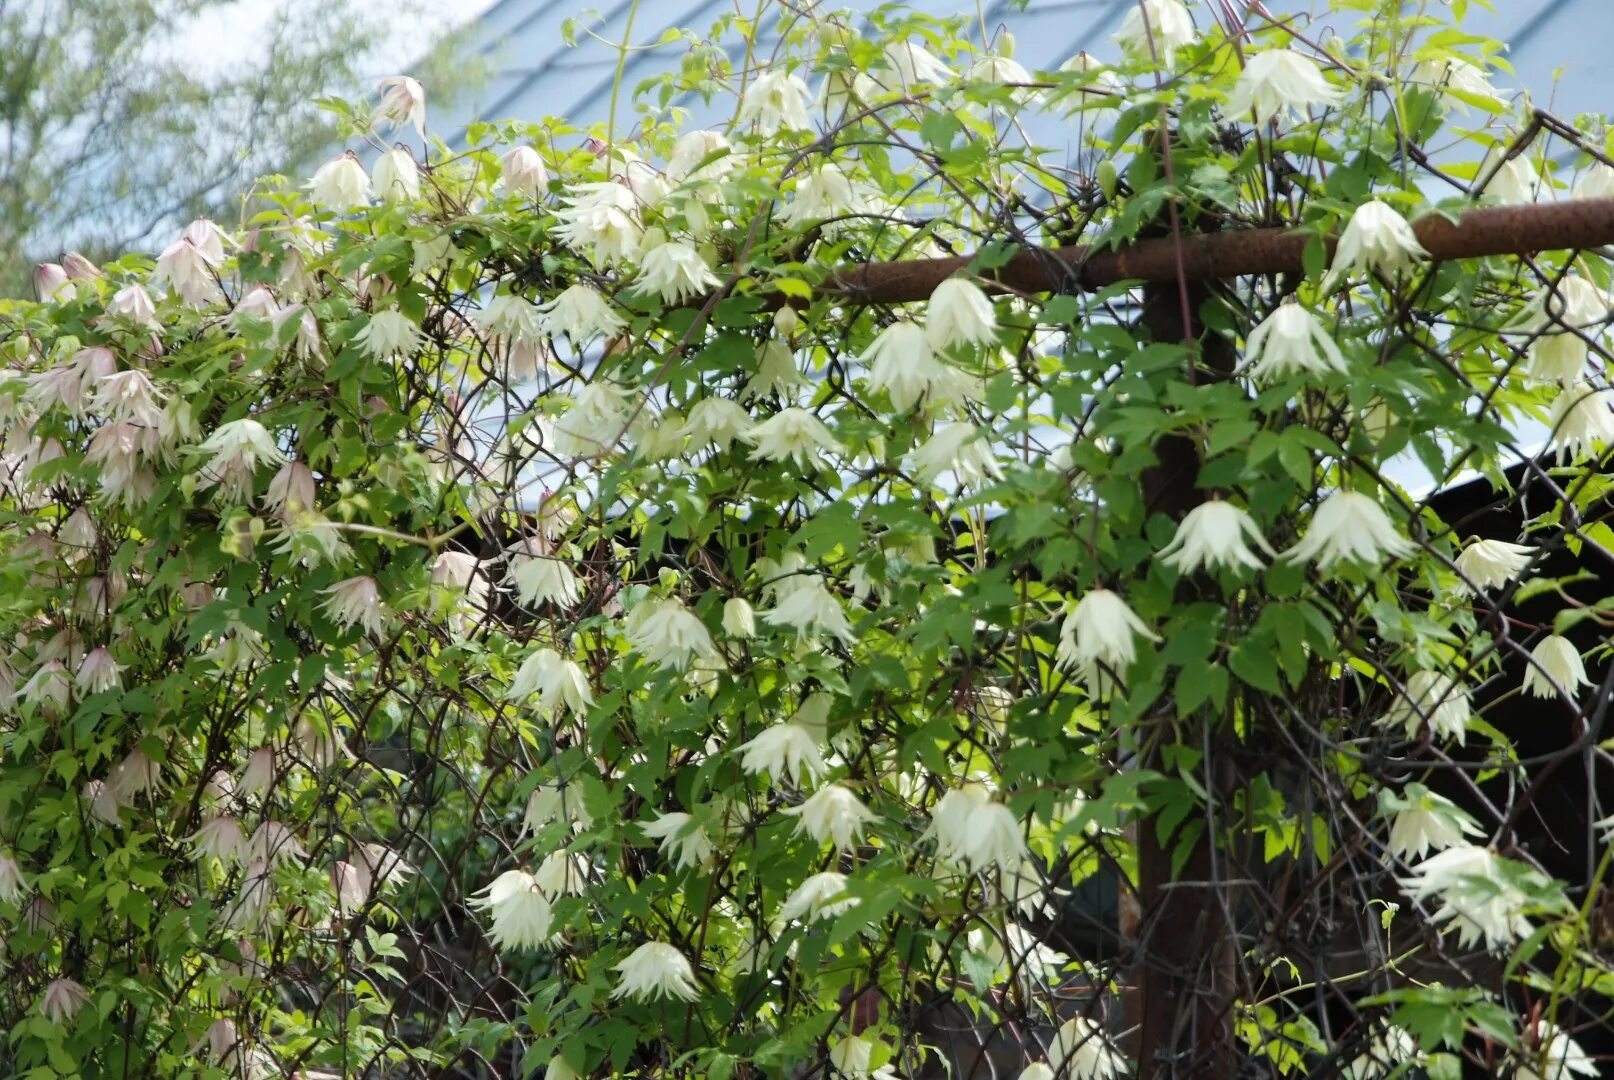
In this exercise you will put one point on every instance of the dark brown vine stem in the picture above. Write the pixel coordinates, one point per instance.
(1482, 230)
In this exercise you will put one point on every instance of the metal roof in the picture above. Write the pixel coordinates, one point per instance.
(1558, 48)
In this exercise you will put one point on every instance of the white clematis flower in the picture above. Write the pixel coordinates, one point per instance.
(1279, 80)
(1423, 821)
(656, 970)
(519, 911)
(1156, 28)
(833, 815)
(1433, 698)
(1101, 630)
(959, 314)
(1350, 527)
(340, 184)
(1213, 534)
(775, 100)
(822, 896)
(785, 750)
(681, 838)
(1555, 666)
(792, 434)
(1490, 564)
(1581, 420)
(1376, 238)
(1292, 341)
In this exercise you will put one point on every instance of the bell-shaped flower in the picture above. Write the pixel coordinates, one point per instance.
(960, 449)
(784, 750)
(1514, 182)
(1474, 894)
(340, 184)
(1156, 28)
(656, 970)
(1560, 320)
(601, 220)
(716, 421)
(403, 101)
(1490, 564)
(1276, 80)
(1292, 341)
(1214, 534)
(522, 172)
(903, 363)
(396, 176)
(1082, 1051)
(389, 334)
(739, 620)
(959, 314)
(1350, 527)
(543, 579)
(1555, 668)
(62, 1000)
(556, 680)
(833, 814)
(673, 269)
(98, 672)
(668, 634)
(274, 842)
(519, 913)
(824, 194)
(681, 839)
(914, 64)
(1376, 238)
(12, 886)
(580, 313)
(186, 270)
(775, 100)
(220, 838)
(1580, 420)
(1433, 698)
(356, 601)
(1101, 630)
(821, 896)
(792, 434)
(1421, 821)
(133, 303)
(1555, 1056)
(1596, 182)
(807, 606)
(52, 283)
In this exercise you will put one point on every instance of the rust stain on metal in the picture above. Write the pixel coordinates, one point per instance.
(1482, 230)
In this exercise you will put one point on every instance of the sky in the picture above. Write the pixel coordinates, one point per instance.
(228, 33)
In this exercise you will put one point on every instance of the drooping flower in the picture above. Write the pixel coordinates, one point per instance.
(716, 421)
(1292, 341)
(833, 814)
(902, 362)
(1515, 181)
(543, 579)
(1350, 527)
(775, 100)
(656, 970)
(1450, 74)
(739, 621)
(785, 749)
(1556, 1056)
(675, 270)
(600, 220)
(580, 313)
(389, 334)
(253, 902)
(959, 314)
(128, 395)
(563, 873)
(291, 490)
(510, 316)
(853, 1059)
(1555, 667)
(1156, 28)
(969, 826)
(238, 449)
(821, 896)
(98, 672)
(519, 912)
(12, 885)
(52, 283)
(914, 64)
(1490, 564)
(555, 802)
(1213, 534)
(1376, 238)
(274, 842)
(1596, 183)
(1000, 66)
(403, 101)
(556, 680)
(956, 448)
(597, 420)
(1474, 895)
(1037, 1070)
(668, 634)
(808, 607)
(792, 434)
(220, 838)
(1101, 630)
(1279, 80)
(62, 1000)
(1561, 320)
(356, 600)
(1082, 1051)
(1581, 420)
(397, 176)
(133, 303)
(340, 184)
(703, 154)
(1390, 1048)
(824, 194)
(681, 838)
(1433, 698)
(185, 269)
(522, 172)
(1423, 820)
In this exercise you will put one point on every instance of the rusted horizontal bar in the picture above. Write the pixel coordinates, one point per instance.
(1483, 230)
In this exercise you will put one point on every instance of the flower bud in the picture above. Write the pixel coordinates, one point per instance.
(51, 283)
(79, 268)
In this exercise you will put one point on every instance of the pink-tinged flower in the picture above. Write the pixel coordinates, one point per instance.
(102, 801)
(208, 238)
(133, 302)
(62, 1000)
(220, 838)
(52, 283)
(273, 842)
(251, 905)
(259, 772)
(98, 672)
(356, 601)
(12, 885)
(403, 101)
(522, 172)
(134, 776)
(187, 271)
(79, 268)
